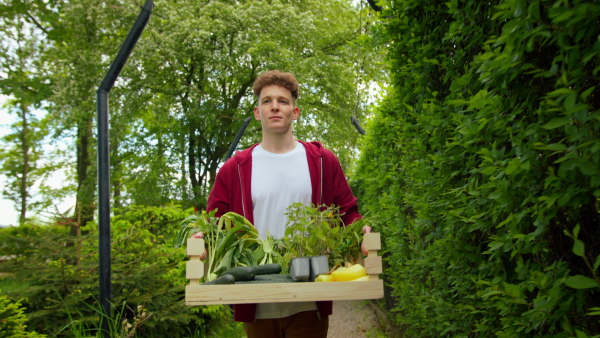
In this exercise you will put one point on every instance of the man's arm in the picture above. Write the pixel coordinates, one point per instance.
(342, 193)
(219, 196)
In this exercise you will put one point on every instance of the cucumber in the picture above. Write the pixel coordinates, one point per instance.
(267, 269)
(274, 278)
(240, 273)
(277, 278)
(223, 279)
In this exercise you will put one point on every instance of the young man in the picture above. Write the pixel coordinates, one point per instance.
(262, 181)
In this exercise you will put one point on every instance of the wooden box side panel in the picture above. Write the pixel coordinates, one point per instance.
(282, 292)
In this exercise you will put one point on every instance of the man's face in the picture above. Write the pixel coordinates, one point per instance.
(276, 109)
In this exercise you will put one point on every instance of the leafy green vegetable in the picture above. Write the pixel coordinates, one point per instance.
(231, 239)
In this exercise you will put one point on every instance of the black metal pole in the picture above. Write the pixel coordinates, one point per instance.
(104, 268)
(104, 209)
(237, 138)
(357, 124)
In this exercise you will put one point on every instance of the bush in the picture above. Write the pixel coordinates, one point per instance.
(482, 167)
(147, 271)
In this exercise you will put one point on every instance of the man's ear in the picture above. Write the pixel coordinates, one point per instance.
(296, 113)
(256, 114)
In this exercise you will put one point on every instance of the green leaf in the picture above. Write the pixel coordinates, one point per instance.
(597, 263)
(576, 230)
(579, 248)
(556, 123)
(587, 92)
(495, 195)
(581, 282)
(513, 290)
(495, 245)
(555, 147)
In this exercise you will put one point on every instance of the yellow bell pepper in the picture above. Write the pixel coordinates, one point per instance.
(324, 278)
(348, 274)
(361, 279)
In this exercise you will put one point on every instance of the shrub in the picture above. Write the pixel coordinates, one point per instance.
(147, 271)
(482, 167)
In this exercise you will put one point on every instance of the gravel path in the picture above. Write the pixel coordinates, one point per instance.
(353, 319)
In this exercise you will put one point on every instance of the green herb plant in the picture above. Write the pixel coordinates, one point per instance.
(231, 240)
(319, 230)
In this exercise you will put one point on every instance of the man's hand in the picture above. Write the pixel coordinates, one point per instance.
(200, 235)
(365, 229)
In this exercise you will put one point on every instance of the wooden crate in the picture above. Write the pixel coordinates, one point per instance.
(198, 294)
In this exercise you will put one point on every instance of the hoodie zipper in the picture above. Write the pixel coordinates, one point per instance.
(321, 187)
(242, 191)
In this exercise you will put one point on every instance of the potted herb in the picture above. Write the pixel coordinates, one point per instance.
(314, 231)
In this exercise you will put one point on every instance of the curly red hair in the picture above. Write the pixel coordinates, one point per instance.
(279, 78)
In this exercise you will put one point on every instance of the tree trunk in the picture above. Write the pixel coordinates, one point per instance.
(192, 168)
(23, 187)
(116, 172)
(84, 211)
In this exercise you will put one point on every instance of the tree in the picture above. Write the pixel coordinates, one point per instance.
(185, 90)
(24, 78)
(193, 73)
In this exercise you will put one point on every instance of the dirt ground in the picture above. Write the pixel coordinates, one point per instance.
(354, 319)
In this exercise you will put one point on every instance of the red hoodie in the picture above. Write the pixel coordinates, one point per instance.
(232, 192)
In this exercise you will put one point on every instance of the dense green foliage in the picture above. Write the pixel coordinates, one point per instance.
(147, 270)
(482, 167)
(183, 93)
(13, 319)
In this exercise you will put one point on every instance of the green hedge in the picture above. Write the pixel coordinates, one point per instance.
(481, 167)
(59, 274)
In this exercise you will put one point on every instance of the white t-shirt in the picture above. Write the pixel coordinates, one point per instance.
(278, 181)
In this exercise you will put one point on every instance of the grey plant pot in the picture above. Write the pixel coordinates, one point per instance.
(319, 265)
(300, 269)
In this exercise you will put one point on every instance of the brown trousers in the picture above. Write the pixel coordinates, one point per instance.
(305, 324)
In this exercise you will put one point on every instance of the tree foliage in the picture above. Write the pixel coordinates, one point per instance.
(482, 166)
(185, 89)
(13, 319)
(24, 80)
(193, 73)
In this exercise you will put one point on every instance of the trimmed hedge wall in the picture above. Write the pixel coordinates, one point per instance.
(481, 168)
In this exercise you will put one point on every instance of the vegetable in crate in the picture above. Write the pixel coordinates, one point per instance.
(225, 279)
(246, 273)
(231, 240)
(240, 273)
(319, 230)
(324, 278)
(349, 274)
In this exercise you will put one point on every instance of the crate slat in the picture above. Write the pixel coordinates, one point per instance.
(282, 292)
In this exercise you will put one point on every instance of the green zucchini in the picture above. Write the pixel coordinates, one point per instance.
(277, 278)
(240, 273)
(266, 269)
(223, 279)
(274, 278)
